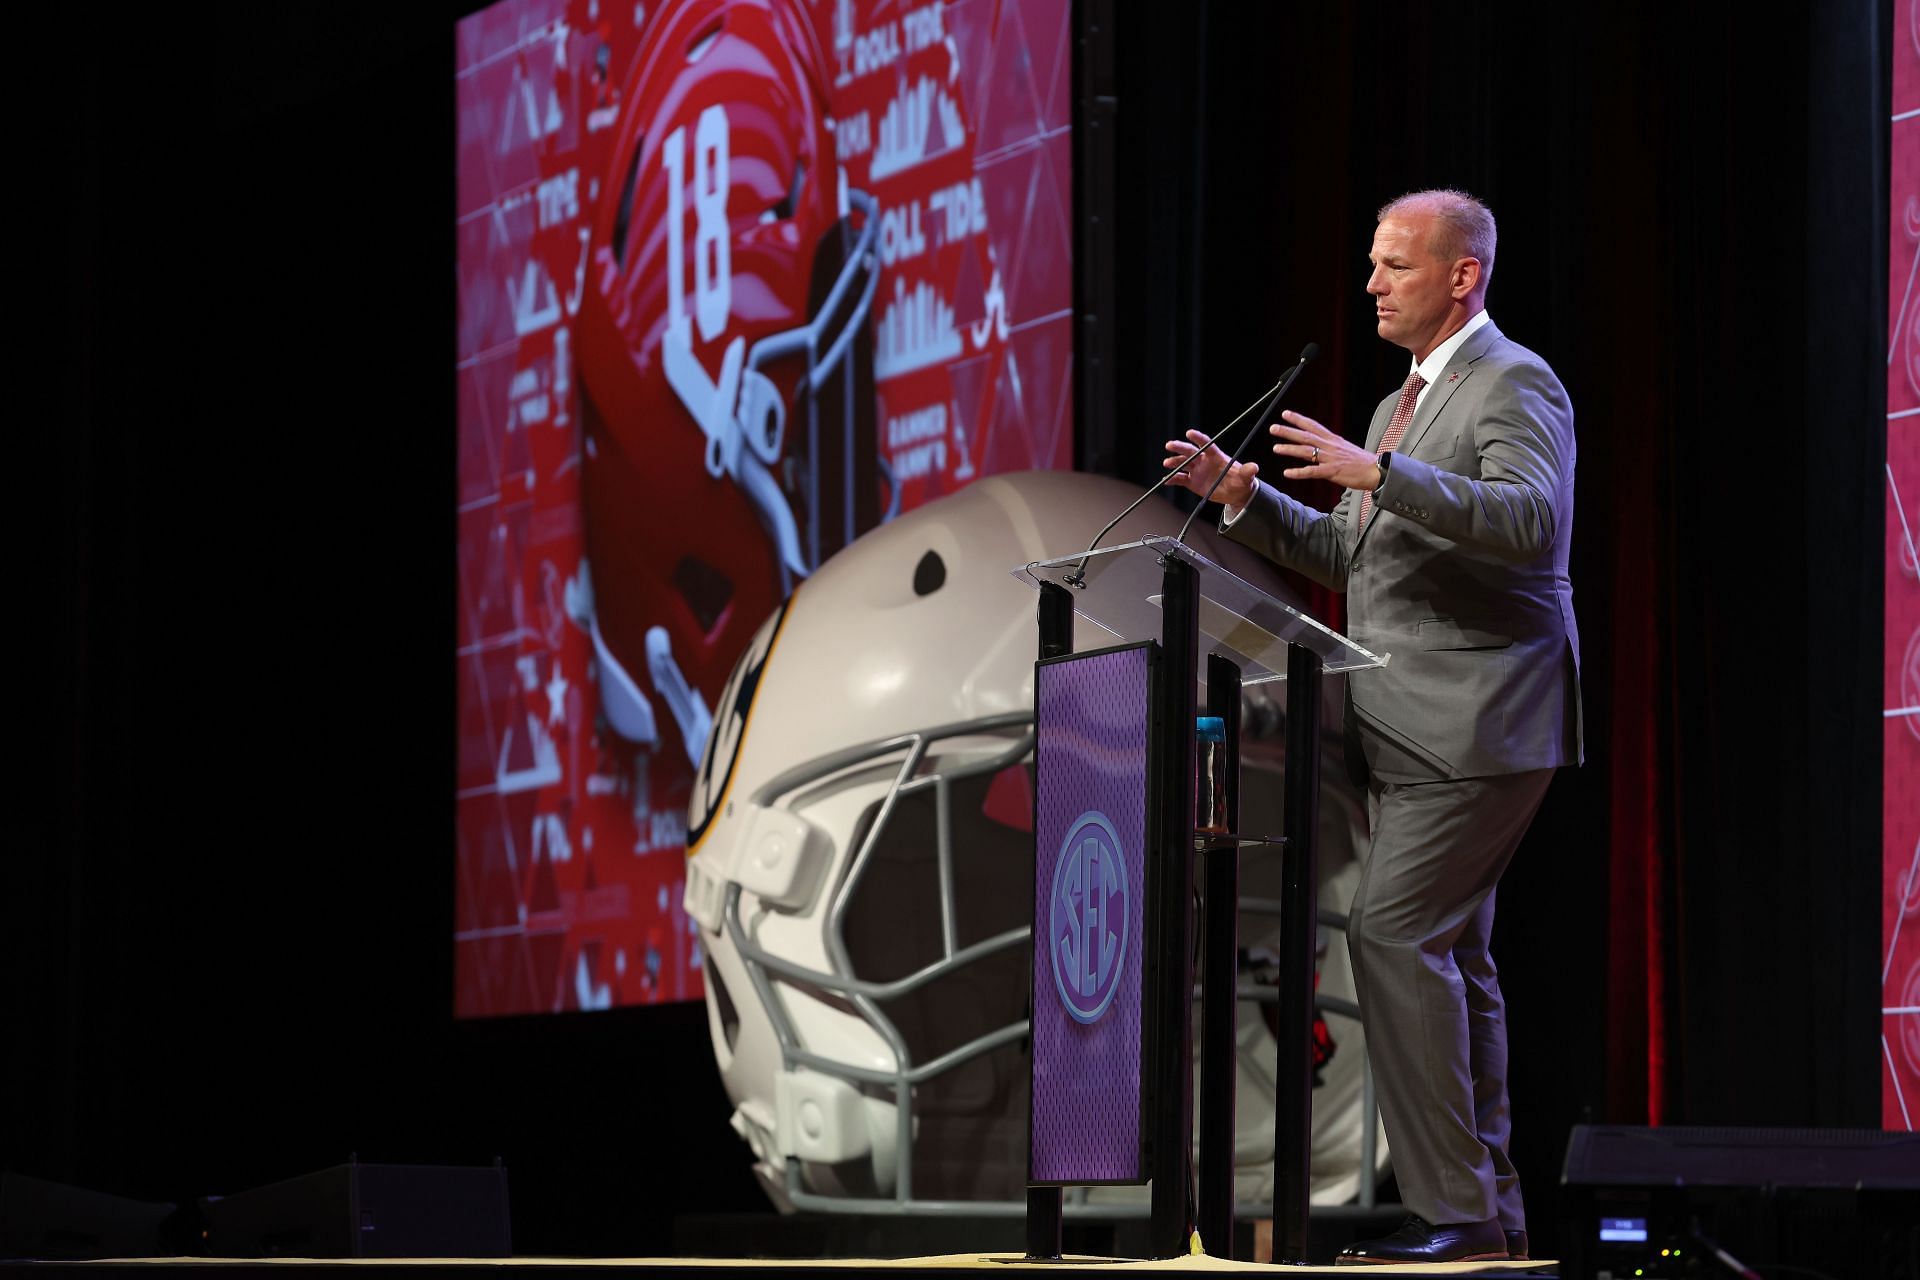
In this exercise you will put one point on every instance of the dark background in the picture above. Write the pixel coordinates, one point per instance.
(229, 888)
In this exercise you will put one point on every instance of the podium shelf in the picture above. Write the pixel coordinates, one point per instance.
(1208, 841)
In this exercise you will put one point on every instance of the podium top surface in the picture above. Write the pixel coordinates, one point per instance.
(1118, 591)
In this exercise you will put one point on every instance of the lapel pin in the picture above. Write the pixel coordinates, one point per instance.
(1453, 377)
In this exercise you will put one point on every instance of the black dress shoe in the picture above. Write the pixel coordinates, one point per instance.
(1517, 1245)
(1418, 1240)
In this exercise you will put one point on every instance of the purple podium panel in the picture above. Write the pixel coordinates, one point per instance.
(1092, 713)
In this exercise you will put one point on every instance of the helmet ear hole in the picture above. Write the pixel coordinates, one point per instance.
(706, 590)
(930, 574)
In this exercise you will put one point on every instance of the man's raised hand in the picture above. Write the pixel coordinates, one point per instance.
(1198, 470)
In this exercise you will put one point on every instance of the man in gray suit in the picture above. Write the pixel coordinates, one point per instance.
(1451, 543)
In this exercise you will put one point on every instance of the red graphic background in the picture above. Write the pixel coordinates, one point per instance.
(1900, 914)
(570, 841)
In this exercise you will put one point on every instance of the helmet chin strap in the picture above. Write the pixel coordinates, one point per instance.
(628, 712)
(683, 699)
(764, 492)
(710, 403)
(716, 407)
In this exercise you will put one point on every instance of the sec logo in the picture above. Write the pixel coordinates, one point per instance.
(1088, 918)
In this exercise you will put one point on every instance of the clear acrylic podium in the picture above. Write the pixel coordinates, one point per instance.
(1215, 632)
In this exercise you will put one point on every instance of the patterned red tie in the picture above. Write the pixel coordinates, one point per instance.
(1396, 428)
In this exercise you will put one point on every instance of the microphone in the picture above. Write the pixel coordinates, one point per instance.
(1078, 578)
(1307, 353)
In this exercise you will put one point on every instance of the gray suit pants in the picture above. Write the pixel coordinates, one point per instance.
(1419, 928)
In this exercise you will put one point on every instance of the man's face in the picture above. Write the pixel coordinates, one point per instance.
(1412, 289)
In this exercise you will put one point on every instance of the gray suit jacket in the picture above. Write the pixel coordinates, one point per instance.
(1461, 573)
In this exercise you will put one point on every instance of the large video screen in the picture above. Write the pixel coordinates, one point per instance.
(737, 282)
(1900, 918)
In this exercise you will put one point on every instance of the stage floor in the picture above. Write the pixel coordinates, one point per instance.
(755, 1269)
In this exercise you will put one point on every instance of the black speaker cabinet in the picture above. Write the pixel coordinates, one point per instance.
(40, 1219)
(1648, 1204)
(367, 1211)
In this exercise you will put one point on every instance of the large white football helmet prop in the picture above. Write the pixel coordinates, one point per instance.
(861, 858)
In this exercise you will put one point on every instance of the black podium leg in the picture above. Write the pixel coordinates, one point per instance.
(1219, 976)
(1170, 903)
(1045, 1204)
(1044, 1212)
(1299, 925)
(1055, 619)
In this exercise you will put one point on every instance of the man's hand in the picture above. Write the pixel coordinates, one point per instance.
(1324, 455)
(1198, 470)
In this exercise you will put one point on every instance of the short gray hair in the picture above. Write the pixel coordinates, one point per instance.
(1463, 226)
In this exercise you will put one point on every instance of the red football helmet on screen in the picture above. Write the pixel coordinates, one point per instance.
(725, 354)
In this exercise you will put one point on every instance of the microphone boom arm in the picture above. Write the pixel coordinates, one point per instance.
(1312, 350)
(1078, 577)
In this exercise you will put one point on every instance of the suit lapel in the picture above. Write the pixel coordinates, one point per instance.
(1434, 404)
(1458, 370)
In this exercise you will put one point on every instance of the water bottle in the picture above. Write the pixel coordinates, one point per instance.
(1210, 775)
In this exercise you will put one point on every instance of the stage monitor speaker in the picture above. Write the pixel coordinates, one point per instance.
(40, 1219)
(360, 1210)
(1650, 1204)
